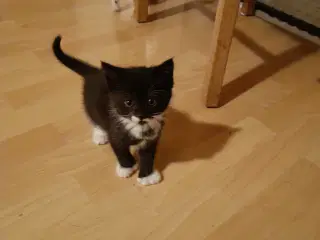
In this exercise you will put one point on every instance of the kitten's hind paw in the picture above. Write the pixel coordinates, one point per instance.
(99, 136)
(153, 178)
(125, 172)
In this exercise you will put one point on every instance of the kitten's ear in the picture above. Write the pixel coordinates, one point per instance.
(109, 70)
(111, 73)
(166, 67)
(164, 73)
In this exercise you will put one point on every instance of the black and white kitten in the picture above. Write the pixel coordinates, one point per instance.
(125, 106)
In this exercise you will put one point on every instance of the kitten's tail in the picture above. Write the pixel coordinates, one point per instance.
(76, 65)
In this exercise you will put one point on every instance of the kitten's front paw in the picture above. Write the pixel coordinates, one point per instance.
(125, 172)
(153, 178)
(99, 136)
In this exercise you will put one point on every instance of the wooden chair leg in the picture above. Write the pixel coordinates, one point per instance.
(247, 7)
(226, 16)
(141, 10)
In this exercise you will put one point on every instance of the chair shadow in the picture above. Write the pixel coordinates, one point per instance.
(248, 80)
(155, 2)
(271, 65)
(184, 139)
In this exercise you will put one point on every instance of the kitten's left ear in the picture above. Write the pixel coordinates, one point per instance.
(166, 67)
(111, 73)
(108, 68)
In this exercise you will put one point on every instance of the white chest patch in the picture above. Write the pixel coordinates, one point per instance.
(148, 130)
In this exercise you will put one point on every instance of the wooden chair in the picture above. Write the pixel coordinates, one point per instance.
(225, 20)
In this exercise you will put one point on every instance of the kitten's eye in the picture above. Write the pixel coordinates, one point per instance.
(152, 102)
(128, 103)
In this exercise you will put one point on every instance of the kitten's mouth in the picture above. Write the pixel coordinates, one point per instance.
(146, 128)
(148, 133)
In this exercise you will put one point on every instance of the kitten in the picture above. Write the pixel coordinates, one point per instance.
(125, 106)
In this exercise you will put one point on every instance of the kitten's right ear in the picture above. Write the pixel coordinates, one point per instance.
(111, 73)
(166, 67)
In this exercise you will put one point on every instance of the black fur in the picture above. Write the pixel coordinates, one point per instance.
(110, 92)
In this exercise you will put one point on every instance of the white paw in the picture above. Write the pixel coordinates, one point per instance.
(99, 136)
(153, 178)
(125, 172)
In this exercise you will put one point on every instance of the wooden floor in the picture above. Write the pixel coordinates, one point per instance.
(248, 170)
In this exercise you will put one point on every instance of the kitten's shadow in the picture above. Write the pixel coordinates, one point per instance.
(184, 139)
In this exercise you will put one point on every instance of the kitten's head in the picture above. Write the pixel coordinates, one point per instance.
(140, 95)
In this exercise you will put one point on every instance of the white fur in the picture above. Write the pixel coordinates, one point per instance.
(140, 145)
(154, 124)
(135, 119)
(115, 5)
(153, 178)
(136, 130)
(99, 136)
(159, 117)
(125, 172)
